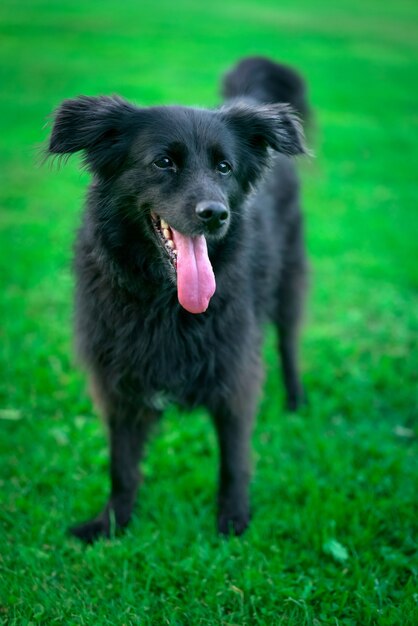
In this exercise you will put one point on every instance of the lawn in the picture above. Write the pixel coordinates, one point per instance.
(334, 491)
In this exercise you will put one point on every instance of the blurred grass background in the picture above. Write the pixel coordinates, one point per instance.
(333, 539)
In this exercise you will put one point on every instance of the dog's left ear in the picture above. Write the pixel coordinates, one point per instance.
(274, 125)
(258, 128)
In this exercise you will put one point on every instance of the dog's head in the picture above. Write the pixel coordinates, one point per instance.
(183, 172)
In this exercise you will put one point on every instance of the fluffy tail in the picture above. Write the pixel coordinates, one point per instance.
(266, 82)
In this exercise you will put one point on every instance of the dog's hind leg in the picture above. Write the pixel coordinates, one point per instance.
(127, 435)
(290, 300)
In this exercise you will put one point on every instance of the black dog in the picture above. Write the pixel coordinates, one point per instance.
(185, 250)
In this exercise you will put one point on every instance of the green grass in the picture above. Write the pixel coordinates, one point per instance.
(334, 493)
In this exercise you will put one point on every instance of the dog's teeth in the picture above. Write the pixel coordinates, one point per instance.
(170, 244)
(164, 224)
(167, 233)
(174, 252)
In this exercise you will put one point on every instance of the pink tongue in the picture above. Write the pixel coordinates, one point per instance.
(195, 279)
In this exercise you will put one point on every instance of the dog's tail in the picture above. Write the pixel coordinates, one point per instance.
(266, 82)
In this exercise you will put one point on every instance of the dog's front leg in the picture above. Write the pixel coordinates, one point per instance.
(234, 473)
(233, 420)
(126, 438)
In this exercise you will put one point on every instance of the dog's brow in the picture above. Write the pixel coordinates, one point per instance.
(218, 153)
(174, 149)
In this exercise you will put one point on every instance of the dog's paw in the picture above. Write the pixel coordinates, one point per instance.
(233, 523)
(294, 402)
(90, 531)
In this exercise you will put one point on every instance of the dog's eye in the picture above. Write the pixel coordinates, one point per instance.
(164, 163)
(224, 168)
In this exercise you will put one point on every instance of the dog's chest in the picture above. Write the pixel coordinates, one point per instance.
(173, 360)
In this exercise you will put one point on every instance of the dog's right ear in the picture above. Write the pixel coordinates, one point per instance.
(103, 127)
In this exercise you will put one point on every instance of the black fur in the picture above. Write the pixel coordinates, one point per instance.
(266, 81)
(142, 349)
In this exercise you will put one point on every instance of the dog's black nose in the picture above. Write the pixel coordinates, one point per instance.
(212, 214)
